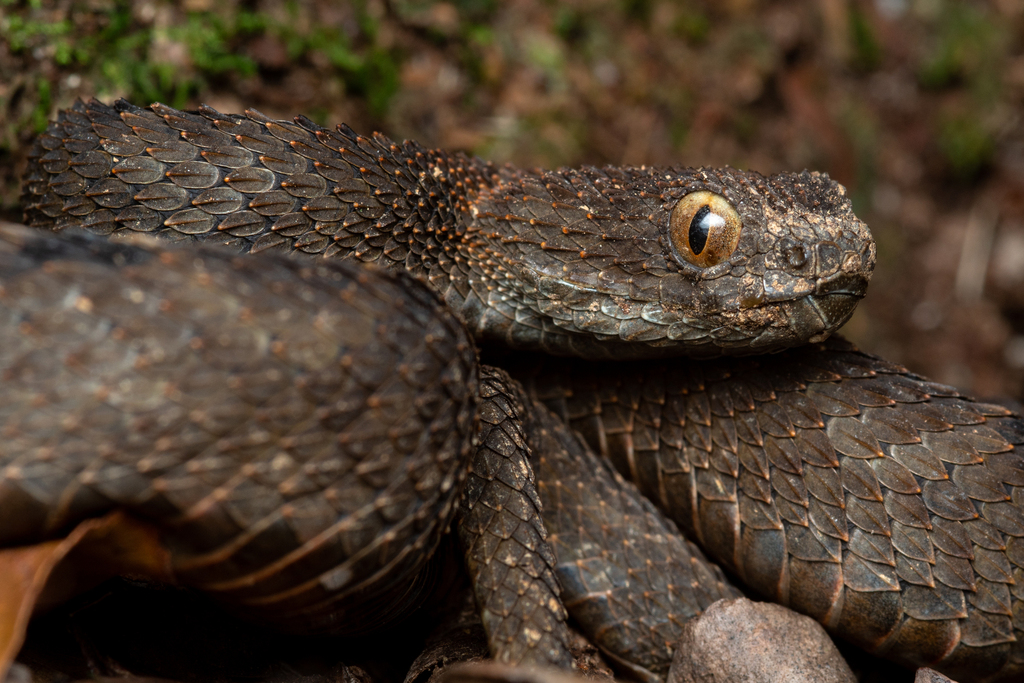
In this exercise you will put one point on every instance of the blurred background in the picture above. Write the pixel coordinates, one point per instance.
(915, 105)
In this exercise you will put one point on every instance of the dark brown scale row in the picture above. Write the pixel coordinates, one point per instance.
(886, 506)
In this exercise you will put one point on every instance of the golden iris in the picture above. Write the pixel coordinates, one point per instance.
(704, 228)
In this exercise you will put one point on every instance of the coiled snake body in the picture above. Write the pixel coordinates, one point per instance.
(262, 410)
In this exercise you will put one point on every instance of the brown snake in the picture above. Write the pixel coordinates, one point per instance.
(886, 506)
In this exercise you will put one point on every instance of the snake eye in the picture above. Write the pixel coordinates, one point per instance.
(704, 228)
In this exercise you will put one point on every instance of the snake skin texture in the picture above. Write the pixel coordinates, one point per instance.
(628, 577)
(570, 262)
(510, 562)
(886, 506)
(300, 432)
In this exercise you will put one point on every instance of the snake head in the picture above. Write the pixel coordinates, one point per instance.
(800, 264)
(645, 262)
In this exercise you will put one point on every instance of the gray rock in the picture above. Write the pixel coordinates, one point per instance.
(741, 641)
(18, 673)
(493, 672)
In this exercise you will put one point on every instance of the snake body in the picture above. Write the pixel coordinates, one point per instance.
(286, 444)
(883, 505)
(886, 506)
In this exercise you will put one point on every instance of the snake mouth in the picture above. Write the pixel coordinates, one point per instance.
(835, 301)
(833, 309)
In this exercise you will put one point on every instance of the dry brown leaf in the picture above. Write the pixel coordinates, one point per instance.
(35, 578)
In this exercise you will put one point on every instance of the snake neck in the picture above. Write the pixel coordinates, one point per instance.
(419, 210)
(407, 205)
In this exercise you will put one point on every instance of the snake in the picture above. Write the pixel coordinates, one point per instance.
(292, 392)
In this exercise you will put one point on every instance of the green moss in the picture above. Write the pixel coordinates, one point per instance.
(968, 52)
(210, 42)
(367, 70)
(120, 56)
(476, 11)
(679, 132)
(377, 79)
(478, 38)
(867, 51)
(967, 47)
(41, 112)
(744, 126)
(21, 33)
(692, 25)
(860, 127)
(570, 24)
(637, 10)
(966, 145)
(750, 44)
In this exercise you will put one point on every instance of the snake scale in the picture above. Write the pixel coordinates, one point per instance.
(259, 407)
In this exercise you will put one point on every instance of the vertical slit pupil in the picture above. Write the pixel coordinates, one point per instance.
(699, 228)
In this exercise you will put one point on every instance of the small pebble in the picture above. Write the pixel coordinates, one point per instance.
(742, 641)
